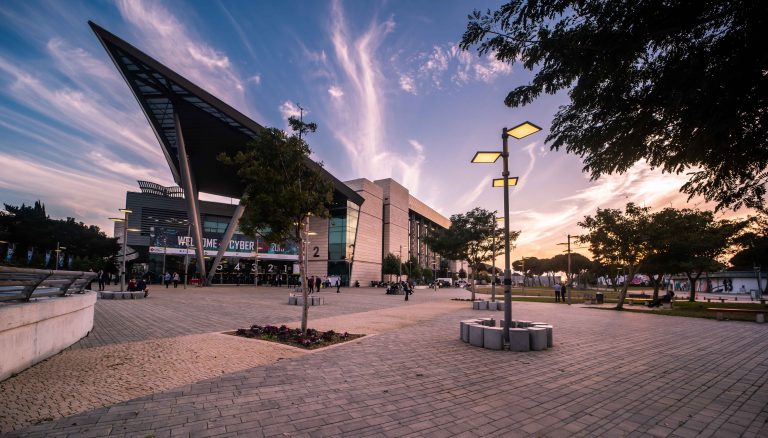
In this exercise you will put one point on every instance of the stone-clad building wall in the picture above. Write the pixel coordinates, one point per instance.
(395, 218)
(368, 254)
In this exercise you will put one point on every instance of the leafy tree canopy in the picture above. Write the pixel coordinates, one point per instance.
(283, 189)
(678, 84)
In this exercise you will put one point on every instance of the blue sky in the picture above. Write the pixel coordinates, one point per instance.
(385, 81)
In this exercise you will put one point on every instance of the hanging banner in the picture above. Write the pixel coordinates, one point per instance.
(61, 256)
(69, 263)
(174, 242)
(30, 251)
(9, 254)
(47, 257)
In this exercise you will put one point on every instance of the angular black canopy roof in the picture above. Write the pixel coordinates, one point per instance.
(209, 125)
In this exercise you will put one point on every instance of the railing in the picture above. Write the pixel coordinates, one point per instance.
(21, 284)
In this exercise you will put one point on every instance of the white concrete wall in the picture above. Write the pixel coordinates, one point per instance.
(34, 331)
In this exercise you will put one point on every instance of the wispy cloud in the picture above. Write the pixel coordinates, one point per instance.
(358, 122)
(335, 91)
(449, 64)
(171, 42)
(407, 84)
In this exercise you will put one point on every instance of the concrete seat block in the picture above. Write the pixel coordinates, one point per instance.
(538, 337)
(476, 305)
(499, 305)
(488, 322)
(476, 335)
(519, 339)
(523, 324)
(493, 338)
(292, 300)
(465, 328)
(550, 333)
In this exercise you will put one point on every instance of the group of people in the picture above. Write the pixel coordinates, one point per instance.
(167, 278)
(139, 285)
(560, 291)
(315, 283)
(103, 277)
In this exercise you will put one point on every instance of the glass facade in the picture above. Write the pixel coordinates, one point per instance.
(342, 232)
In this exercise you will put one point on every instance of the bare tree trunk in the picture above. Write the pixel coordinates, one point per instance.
(472, 279)
(304, 289)
(692, 280)
(656, 286)
(623, 293)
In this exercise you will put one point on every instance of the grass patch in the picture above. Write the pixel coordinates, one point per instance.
(312, 340)
(699, 310)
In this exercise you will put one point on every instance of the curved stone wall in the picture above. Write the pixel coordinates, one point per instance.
(34, 331)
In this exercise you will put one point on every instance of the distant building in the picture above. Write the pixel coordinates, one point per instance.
(368, 219)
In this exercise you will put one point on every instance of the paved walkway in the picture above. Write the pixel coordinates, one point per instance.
(609, 374)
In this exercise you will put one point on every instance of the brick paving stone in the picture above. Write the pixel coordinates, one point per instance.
(610, 373)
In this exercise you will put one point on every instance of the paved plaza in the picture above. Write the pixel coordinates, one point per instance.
(609, 373)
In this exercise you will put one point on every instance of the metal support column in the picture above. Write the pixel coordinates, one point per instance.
(224, 242)
(190, 194)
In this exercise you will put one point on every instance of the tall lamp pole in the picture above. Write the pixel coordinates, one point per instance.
(520, 131)
(124, 220)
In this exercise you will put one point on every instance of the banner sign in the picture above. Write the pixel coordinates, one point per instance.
(9, 254)
(175, 242)
(30, 250)
(47, 257)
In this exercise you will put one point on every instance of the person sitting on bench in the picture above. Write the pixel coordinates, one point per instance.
(667, 298)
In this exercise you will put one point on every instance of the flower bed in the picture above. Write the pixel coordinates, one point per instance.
(311, 340)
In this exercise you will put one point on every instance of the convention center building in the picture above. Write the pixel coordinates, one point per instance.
(169, 229)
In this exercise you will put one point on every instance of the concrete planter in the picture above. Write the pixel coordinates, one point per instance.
(34, 331)
(550, 333)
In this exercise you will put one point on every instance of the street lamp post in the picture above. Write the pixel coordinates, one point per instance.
(520, 131)
(59, 249)
(124, 220)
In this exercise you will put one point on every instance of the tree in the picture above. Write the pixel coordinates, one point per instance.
(470, 238)
(702, 241)
(283, 189)
(30, 227)
(390, 265)
(754, 244)
(618, 238)
(643, 78)
(462, 273)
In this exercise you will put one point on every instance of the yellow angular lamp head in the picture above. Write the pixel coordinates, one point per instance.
(486, 157)
(523, 130)
(126, 210)
(499, 182)
(117, 219)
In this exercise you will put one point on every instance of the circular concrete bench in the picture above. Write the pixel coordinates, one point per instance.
(298, 300)
(523, 335)
(487, 305)
(109, 295)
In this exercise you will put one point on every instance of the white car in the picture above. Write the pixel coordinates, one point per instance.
(461, 283)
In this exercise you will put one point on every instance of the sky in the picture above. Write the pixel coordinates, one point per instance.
(391, 92)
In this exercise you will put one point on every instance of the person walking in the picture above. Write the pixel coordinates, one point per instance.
(101, 279)
(557, 292)
(311, 284)
(563, 290)
(318, 283)
(406, 290)
(175, 280)
(167, 279)
(338, 285)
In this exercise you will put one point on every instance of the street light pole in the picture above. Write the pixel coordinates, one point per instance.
(518, 132)
(507, 271)
(493, 254)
